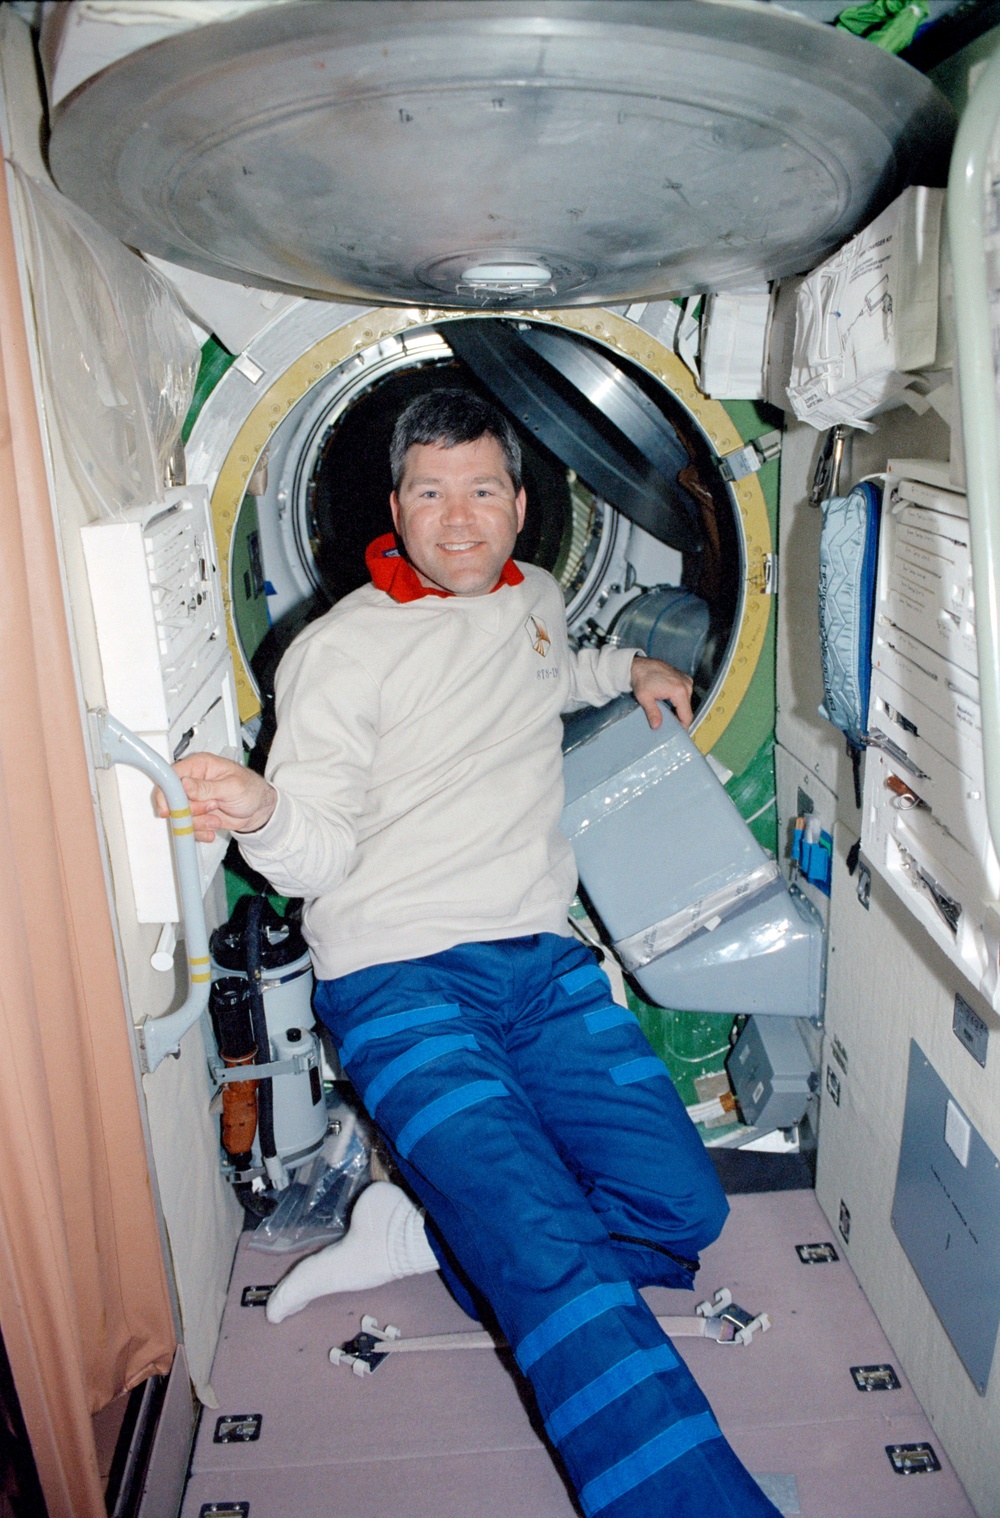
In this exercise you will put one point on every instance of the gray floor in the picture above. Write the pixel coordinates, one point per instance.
(447, 1435)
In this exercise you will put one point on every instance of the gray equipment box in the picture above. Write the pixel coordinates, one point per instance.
(697, 911)
(771, 1073)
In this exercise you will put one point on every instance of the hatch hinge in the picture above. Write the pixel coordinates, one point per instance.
(751, 457)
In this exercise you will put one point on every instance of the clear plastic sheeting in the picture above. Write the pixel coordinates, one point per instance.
(81, 39)
(643, 947)
(177, 12)
(765, 959)
(622, 789)
(119, 356)
(313, 1210)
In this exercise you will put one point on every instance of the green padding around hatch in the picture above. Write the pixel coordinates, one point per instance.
(246, 569)
(215, 360)
(241, 880)
(752, 725)
(890, 24)
(689, 1043)
(754, 795)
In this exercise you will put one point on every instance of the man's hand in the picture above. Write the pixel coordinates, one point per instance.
(222, 795)
(653, 681)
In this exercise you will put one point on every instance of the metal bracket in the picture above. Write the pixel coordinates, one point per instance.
(255, 1296)
(226, 1074)
(826, 480)
(864, 885)
(751, 457)
(237, 1428)
(869, 1378)
(912, 1459)
(816, 1254)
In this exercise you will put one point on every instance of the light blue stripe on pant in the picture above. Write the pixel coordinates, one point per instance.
(667, 1447)
(571, 1316)
(414, 1059)
(397, 1022)
(444, 1107)
(608, 1388)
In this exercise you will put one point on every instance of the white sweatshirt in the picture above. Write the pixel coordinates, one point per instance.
(419, 771)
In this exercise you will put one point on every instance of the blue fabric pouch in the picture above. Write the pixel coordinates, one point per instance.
(848, 557)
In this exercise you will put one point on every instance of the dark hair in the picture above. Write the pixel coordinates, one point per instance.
(450, 418)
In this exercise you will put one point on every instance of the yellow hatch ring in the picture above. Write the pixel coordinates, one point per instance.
(603, 327)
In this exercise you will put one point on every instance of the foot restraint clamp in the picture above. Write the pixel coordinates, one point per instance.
(720, 1320)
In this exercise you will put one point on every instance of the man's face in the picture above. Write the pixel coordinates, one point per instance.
(458, 514)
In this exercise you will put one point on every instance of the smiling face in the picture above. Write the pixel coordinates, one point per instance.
(458, 514)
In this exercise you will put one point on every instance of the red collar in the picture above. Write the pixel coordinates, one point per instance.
(398, 578)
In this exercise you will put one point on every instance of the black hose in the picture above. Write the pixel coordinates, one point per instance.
(265, 1091)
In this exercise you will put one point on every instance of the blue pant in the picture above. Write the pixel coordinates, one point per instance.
(556, 1161)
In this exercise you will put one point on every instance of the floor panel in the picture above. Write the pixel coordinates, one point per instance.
(448, 1436)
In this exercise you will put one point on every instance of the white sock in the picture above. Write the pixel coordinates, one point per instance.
(385, 1242)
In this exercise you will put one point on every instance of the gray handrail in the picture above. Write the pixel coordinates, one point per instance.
(115, 744)
(968, 189)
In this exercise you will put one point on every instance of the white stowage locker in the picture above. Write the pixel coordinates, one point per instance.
(924, 824)
(154, 585)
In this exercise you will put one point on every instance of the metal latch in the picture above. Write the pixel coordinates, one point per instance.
(912, 1459)
(255, 1296)
(816, 1254)
(237, 1428)
(875, 1378)
(751, 457)
(826, 480)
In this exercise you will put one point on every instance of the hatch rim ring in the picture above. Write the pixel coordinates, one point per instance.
(601, 326)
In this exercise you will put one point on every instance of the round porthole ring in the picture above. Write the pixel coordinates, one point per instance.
(601, 326)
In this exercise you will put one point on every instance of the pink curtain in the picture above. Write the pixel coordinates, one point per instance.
(84, 1307)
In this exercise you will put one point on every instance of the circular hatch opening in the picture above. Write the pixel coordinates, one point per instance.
(328, 484)
(302, 483)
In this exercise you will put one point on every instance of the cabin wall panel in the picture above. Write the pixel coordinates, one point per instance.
(889, 983)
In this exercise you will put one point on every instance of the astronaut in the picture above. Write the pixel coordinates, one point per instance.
(412, 796)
